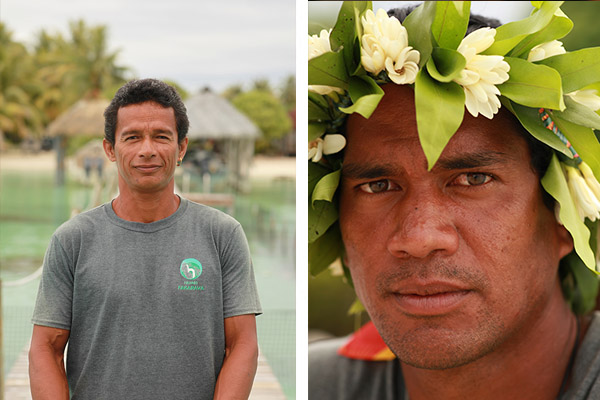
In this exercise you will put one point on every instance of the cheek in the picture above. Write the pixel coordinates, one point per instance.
(519, 242)
(365, 252)
(170, 154)
(360, 239)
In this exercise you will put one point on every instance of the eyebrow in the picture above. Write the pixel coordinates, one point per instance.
(367, 171)
(472, 160)
(464, 161)
(155, 131)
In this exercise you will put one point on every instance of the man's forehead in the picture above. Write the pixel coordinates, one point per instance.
(145, 105)
(395, 111)
(386, 142)
(394, 124)
(145, 112)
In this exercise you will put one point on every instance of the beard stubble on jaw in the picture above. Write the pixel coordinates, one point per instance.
(435, 342)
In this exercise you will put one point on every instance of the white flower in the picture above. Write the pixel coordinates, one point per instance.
(404, 68)
(482, 73)
(588, 205)
(587, 97)
(546, 50)
(328, 145)
(385, 46)
(318, 45)
(590, 179)
(372, 54)
(324, 89)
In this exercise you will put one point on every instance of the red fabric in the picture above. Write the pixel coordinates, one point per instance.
(366, 344)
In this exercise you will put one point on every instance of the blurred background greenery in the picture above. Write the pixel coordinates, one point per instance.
(41, 80)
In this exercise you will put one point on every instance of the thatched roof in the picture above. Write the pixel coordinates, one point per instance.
(213, 117)
(86, 117)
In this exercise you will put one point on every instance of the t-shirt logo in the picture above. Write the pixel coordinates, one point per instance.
(190, 268)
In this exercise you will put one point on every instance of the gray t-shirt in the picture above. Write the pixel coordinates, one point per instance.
(145, 303)
(331, 376)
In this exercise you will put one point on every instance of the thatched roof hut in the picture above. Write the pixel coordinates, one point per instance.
(86, 117)
(213, 117)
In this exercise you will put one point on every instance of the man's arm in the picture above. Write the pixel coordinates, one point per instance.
(47, 374)
(241, 354)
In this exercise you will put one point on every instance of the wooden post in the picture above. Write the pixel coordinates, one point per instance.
(59, 147)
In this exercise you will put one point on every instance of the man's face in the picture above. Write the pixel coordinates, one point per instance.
(146, 148)
(450, 263)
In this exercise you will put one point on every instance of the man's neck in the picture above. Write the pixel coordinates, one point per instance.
(532, 364)
(145, 207)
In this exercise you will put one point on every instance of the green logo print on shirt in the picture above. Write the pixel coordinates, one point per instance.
(190, 268)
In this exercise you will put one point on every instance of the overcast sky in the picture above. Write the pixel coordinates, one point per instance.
(325, 12)
(194, 43)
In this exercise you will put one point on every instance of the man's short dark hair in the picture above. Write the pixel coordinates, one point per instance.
(140, 91)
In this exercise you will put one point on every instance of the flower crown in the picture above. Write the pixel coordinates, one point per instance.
(520, 65)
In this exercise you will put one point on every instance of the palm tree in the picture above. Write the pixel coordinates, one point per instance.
(75, 68)
(52, 70)
(96, 68)
(18, 117)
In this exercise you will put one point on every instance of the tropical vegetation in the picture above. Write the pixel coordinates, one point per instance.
(38, 84)
(40, 81)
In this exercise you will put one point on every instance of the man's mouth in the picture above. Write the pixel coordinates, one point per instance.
(147, 168)
(430, 298)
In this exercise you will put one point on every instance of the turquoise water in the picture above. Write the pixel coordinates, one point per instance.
(31, 208)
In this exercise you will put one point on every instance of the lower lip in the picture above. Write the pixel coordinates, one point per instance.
(431, 305)
(149, 169)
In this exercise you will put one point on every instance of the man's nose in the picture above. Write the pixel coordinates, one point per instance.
(424, 226)
(146, 148)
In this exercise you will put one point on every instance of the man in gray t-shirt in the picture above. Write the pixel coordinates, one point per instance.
(155, 295)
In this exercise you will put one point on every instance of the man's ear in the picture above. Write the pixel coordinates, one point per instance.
(183, 148)
(109, 150)
(565, 241)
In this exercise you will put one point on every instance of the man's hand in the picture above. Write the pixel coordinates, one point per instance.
(241, 354)
(47, 374)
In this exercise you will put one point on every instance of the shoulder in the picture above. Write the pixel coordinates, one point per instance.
(586, 370)
(322, 354)
(214, 217)
(333, 376)
(79, 224)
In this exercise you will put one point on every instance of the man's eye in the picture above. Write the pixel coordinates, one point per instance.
(377, 186)
(472, 179)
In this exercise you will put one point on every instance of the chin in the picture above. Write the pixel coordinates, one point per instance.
(150, 187)
(438, 345)
(439, 356)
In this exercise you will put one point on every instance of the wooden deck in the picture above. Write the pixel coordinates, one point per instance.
(16, 384)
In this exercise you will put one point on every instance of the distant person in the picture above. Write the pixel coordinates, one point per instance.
(87, 166)
(154, 294)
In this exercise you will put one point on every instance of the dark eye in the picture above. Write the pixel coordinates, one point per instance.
(472, 179)
(377, 186)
